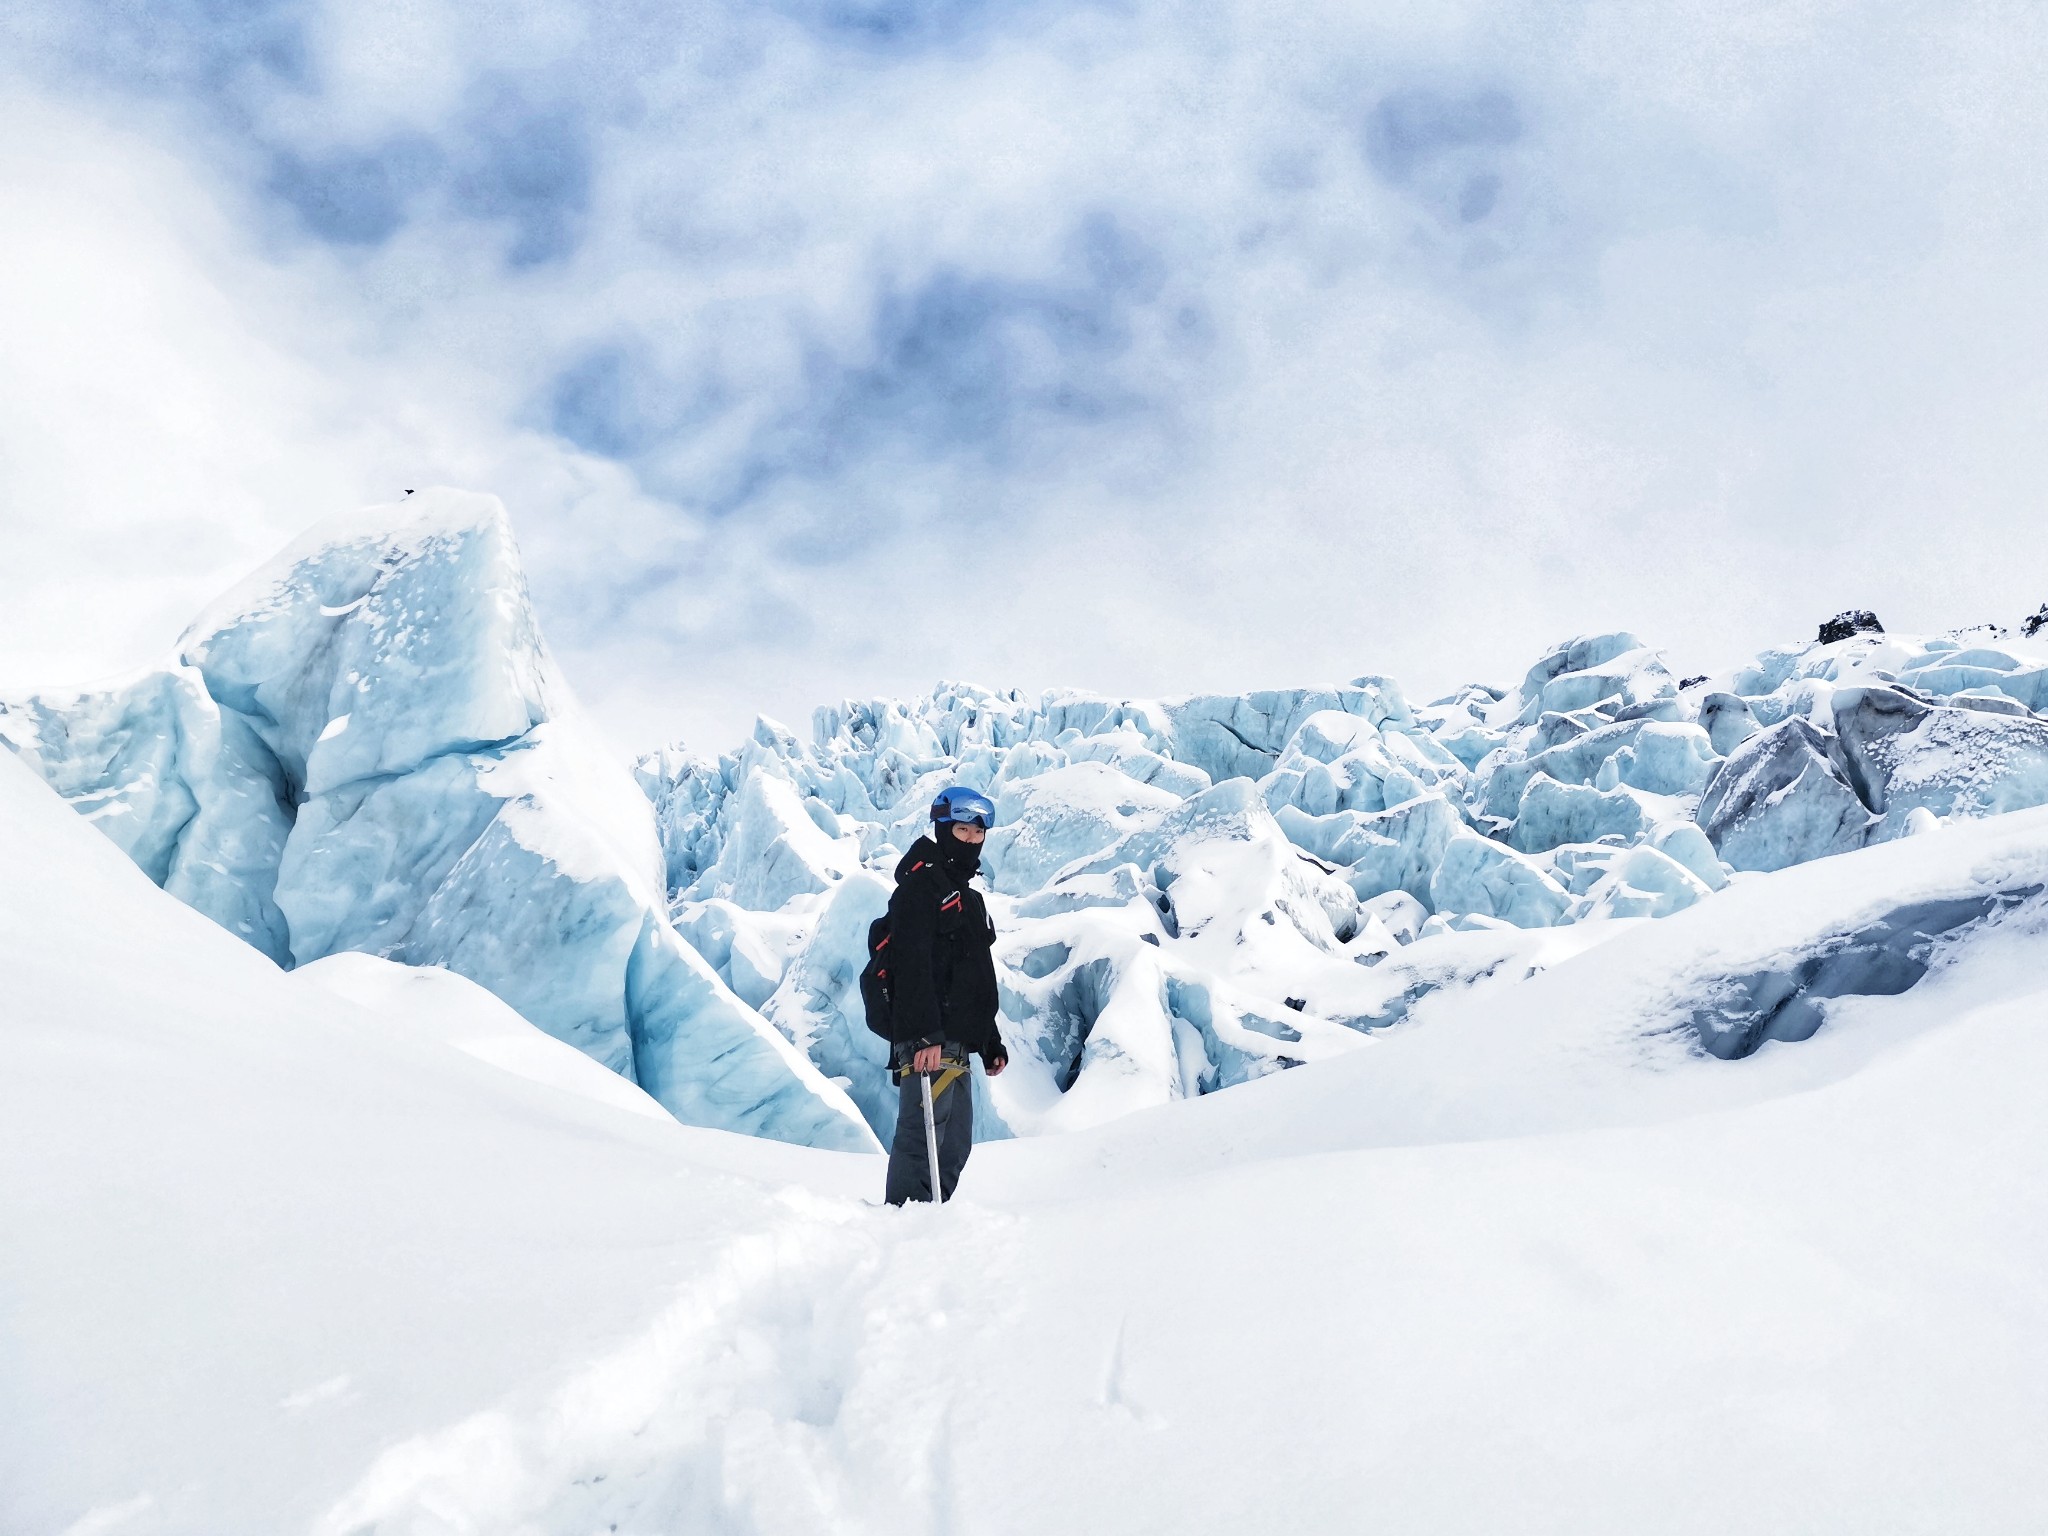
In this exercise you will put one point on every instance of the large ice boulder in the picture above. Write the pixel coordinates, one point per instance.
(379, 758)
(1341, 762)
(1477, 875)
(184, 788)
(1551, 813)
(1642, 882)
(1050, 820)
(776, 845)
(1616, 671)
(1904, 754)
(1243, 735)
(1394, 850)
(380, 640)
(1782, 798)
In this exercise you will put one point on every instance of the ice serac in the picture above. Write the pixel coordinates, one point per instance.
(1242, 735)
(1480, 876)
(773, 849)
(377, 756)
(379, 640)
(1782, 799)
(1905, 754)
(1612, 669)
(184, 788)
(818, 1004)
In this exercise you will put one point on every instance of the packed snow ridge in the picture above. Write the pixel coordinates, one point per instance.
(366, 747)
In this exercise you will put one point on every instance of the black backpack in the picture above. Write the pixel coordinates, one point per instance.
(877, 988)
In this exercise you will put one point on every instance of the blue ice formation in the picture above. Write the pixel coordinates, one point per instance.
(1193, 892)
(364, 747)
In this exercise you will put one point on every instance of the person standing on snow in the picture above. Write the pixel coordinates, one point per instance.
(944, 997)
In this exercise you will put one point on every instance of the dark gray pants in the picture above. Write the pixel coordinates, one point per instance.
(910, 1173)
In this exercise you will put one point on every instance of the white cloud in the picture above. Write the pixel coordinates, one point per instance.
(1258, 344)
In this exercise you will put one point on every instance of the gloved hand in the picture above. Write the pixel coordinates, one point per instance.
(994, 1060)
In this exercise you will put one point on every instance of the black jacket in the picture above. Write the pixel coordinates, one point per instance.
(941, 938)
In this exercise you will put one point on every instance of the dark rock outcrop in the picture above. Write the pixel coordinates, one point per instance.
(1850, 622)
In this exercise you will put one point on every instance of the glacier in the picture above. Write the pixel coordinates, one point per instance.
(366, 747)
(1197, 892)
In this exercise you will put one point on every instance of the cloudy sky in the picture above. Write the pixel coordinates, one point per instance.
(830, 347)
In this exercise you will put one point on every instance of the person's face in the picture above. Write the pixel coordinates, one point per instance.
(968, 832)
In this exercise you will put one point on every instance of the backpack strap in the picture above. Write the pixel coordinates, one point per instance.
(950, 901)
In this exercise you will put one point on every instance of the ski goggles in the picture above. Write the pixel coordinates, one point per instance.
(965, 809)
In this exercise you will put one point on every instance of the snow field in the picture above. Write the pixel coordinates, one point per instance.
(1523, 1262)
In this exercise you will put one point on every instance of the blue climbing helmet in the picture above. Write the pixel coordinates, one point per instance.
(963, 805)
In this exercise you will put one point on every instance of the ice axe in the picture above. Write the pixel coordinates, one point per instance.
(931, 1131)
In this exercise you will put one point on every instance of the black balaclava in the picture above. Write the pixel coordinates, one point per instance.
(962, 859)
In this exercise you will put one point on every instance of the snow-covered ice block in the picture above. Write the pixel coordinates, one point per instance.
(181, 786)
(1903, 754)
(1071, 892)
(1396, 850)
(1666, 758)
(1400, 913)
(1685, 842)
(1338, 762)
(1597, 669)
(375, 758)
(1782, 798)
(379, 640)
(1053, 819)
(1641, 882)
(1124, 749)
(1241, 735)
(1551, 813)
(1727, 720)
(772, 849)
(1478, 875)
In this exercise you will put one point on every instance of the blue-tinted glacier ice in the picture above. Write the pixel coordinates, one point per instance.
(364, 746)
(367, 747)
(1141, 861)
(1782, 799)
(1903, 753)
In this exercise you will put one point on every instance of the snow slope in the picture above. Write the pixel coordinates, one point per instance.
(1527, 1260)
